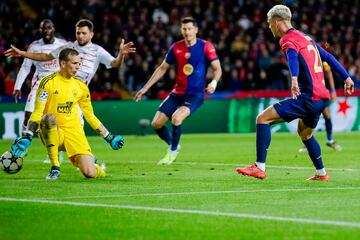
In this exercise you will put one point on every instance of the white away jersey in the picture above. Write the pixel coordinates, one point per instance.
(91, 56)
(42, 68)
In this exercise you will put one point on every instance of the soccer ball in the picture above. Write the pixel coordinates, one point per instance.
(10, 164)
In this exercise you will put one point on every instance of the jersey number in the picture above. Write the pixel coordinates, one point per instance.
(317, 63)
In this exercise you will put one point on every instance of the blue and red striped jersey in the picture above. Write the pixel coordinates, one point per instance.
(311, 76)
(192, 63)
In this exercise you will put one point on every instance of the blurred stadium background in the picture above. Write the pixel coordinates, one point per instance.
(253, 65)
(250, 56)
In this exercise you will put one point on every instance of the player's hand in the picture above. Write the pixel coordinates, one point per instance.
(211, 87)
(13, 52)
(348, 86)
(116, 142)
(126, 48)
(20, 146)
(295, 90)
(139, 94)
(17, 95)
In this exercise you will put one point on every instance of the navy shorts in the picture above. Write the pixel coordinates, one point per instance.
(303, 107)
(174, 101)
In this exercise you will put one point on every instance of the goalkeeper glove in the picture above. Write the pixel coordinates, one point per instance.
(20, 145)
(116, 142)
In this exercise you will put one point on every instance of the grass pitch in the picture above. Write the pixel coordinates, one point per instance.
(198, 197)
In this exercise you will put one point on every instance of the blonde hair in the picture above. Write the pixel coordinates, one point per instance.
(279, 11)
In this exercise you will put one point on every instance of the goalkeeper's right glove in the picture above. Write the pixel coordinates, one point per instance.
(20, 145)
(116, 142)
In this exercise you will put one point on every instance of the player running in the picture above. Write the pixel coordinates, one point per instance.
(310, 95)
(191, 55)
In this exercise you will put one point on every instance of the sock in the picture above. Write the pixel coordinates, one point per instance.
(260, 165)
(263, 139)
(328, 125)
(164, 134)
(99, 171)
(175, 137)
(314, 151)
(51, 141)
(321, 172)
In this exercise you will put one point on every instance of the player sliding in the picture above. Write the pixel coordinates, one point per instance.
(91, 54)
(192, 56)
(56, 115)
(309, 94)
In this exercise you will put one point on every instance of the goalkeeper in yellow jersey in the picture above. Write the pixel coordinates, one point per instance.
(57, 115)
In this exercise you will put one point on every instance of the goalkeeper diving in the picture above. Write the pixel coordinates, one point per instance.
(57, 116)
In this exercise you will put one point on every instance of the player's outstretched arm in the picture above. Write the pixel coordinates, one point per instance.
(15, 52)
(124, 49)
(158, 73)
(216, 66)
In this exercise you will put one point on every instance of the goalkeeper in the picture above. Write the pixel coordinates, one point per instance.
(57, 116)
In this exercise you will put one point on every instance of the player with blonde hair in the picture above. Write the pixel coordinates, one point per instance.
(56, 114)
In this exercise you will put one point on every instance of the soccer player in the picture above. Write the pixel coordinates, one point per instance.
(330, 142)
(46, 44)
(191, 55)
(56, 114)
(309, 94)
(91, 54)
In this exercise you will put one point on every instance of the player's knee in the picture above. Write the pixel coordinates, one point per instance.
(305, 134)
(48, 121)
(156, 125)
(260, 119)
(89, 171)
(176, 120)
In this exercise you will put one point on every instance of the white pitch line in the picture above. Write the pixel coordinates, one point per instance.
(189, 211)
(210, 192)
(229, 165)
(245, 165)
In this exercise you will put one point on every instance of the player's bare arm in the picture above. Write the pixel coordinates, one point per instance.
(216, 66)
(159, 72)
(15, 52)
(124, 49)
(102, 131)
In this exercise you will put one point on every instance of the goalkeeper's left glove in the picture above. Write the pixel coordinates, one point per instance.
(116, 142)
(20, 145)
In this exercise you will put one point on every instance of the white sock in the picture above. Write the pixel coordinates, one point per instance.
(321, 172)
(260, 165)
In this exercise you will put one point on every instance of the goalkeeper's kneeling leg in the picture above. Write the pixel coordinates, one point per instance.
(88, 168)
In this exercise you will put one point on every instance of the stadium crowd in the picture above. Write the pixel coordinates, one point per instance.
(250, 56)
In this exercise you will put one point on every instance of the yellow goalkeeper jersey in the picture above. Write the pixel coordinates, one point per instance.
(62, 97)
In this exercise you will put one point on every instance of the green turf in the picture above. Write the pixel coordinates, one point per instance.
(199, 197)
